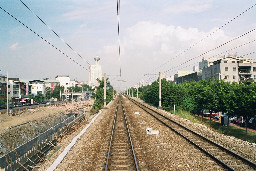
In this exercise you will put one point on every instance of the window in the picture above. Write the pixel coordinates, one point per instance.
(233, 61)
(226, 68)
(226, 77)
(254, 69)
(234, 77)
(254, 76)
(234, 68)
(225, 61)
(215, 70)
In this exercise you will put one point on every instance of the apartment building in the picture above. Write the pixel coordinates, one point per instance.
(231, 68)
(3, 87)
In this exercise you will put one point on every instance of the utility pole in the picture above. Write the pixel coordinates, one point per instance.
(60, 94)
(7, 94)
(105, 91)
(72, 95)
(137, 92)
(132, 92)
(113, 93)
(160, 91)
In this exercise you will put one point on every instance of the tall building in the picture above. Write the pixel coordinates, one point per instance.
(95, 73)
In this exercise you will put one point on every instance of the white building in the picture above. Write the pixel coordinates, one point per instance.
(37, 87)
(73, 83)
(94, 73)
(232, 69)
(64, 81)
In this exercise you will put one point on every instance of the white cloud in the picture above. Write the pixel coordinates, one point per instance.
(146, 45)
(189, 6)
(14, 46)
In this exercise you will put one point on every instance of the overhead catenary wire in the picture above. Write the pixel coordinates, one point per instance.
(212, 49)
(208, 35)
(118, 35)
(53, 31)
(241, 45)
(59, 50)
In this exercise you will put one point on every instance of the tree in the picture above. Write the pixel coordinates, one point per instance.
(48, 93)
(39, 98)
(56, 91)
(99, 95)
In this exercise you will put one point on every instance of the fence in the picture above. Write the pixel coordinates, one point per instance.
(22, 153)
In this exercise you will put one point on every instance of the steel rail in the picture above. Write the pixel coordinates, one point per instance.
(129, 136)
(111, 138)
(250, 163)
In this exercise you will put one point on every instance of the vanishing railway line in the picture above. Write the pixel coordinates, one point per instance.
(226, 158)
(121, 155)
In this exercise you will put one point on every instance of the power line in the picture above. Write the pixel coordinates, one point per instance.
(212, 49)
(213, 32)
(59, 50)
(234, 48)
(118, 34)
(53, 31)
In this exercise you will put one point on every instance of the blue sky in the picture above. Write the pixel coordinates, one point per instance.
(151, 33)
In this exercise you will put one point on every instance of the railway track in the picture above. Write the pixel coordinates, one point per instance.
(121, 155)
(226, 158)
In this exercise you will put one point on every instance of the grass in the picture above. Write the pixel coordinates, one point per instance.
(226, 130)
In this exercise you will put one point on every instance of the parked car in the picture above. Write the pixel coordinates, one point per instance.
(240, 121)
(18, 104)
(48, 103)
(233, 119)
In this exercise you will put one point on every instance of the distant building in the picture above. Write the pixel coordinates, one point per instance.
(232, 69)
(51, 84)
(95, 73)
(64, 81)
(73, 83)
(195, 76)
(206, 62)
(180, 74)
(3, 87)
(36, 87)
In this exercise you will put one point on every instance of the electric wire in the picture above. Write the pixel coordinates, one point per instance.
(212, 50)
(241, 45)
(59, 50)
(208, 35)
(53, 31)
(118, 35)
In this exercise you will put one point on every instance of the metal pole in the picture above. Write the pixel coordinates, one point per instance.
(137, 92)
(60, 95)
(113, 94)
(72, 95)
(174, 108)
(7, 93)
(105, 90)
(160, 92)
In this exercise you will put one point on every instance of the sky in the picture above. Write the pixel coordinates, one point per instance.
(153, 36)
